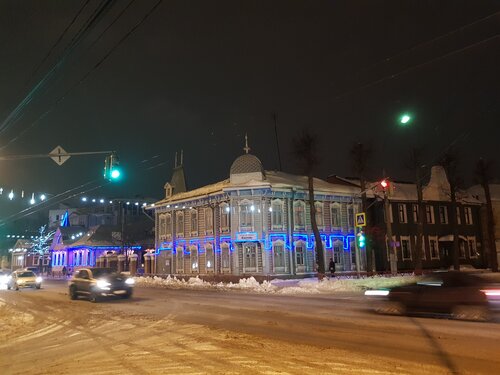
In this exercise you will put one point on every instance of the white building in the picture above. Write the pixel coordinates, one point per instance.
(254, 223)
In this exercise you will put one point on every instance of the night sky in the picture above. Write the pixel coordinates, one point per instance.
(198, 75)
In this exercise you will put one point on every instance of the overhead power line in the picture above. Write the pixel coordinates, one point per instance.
(78, 83)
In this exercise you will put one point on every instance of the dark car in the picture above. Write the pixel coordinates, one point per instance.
(453, 294)
(96, 283)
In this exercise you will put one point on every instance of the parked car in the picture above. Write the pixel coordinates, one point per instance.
(24, 279)
(453, 294)
(95, 283)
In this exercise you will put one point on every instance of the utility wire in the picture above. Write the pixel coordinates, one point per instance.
(95, 67)
(14, 116)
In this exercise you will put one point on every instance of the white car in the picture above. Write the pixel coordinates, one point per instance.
(24, 279)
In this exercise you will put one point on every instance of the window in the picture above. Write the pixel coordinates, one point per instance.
(279, 255)
(443, 214)
(194, 221)
(250, 254)
(468, 215)
(459, 218)
(225, 255)
(299, 214)
(335, 210)
(472, 247)
(162, 226)
(209, 220)
(277, 214)
(461, 249)
(406, 248)
(415, 213)
(433, 248)
(209, 251)
(319, 214)
(246, 215)
(180, 259)
(338, 246)
(429, 214)
(180, 224)
(299, 253)
(193, 251)
(224, 217)
(350, 216)
(402, 213)
(168, 224)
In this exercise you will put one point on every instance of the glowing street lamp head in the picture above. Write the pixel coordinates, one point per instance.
(43, 197)
(405, 119)
(384, 184)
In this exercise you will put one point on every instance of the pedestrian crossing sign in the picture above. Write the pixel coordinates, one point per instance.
(361, 219)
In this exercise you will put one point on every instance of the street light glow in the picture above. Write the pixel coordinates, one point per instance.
(405, 119)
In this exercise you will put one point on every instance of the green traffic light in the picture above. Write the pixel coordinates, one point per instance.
(115, 174)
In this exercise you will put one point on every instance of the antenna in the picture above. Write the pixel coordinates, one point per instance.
(246, 148)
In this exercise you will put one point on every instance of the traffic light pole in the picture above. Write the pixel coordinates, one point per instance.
(391, 245)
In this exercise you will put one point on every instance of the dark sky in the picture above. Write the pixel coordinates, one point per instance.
(198, 75)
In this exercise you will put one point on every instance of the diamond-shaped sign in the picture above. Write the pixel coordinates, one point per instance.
(59, 155)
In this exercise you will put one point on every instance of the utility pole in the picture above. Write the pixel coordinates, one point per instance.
(391, 245)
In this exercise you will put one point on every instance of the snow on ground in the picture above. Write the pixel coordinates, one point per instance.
(276, 286)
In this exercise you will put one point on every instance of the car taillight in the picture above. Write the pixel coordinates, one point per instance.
(491, 292)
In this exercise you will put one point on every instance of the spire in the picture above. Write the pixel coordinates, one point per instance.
(182, 157)
(175, 163)
(246, 148)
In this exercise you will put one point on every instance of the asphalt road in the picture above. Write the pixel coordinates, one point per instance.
(162, 331)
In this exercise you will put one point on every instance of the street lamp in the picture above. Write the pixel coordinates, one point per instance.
(405, 119)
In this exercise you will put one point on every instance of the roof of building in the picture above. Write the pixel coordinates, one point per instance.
(478, 192)
(246, 163)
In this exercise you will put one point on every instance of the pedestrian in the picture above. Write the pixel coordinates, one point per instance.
(64, 271)
(331, 267)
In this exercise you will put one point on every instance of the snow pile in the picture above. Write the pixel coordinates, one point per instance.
(288, 287)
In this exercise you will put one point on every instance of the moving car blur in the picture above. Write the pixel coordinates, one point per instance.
(95, 283)
(452, 294)
(4, 278)
(24, 279)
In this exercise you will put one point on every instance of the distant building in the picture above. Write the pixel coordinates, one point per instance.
(477, 191)
(254, 223)
(438, 232)
(23, 256)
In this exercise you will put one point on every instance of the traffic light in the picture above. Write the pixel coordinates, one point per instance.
(361, 240)
(112, 170)
(384, 183)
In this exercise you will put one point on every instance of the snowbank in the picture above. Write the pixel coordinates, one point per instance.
(288, 287)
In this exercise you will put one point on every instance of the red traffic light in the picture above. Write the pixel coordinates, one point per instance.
(384, 183)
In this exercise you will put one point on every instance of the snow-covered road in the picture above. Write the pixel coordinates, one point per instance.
(164, 331)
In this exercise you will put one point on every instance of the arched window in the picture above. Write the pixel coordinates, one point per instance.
(300, 253)
(247, 209)
(299, 214)
(226, 260)
(224, 217)
(193, 250)
(209, 256)
(279, 255)
(338, 247)
(162, 226)
(180, 258)
(335, 213)
(180, 223)
(194, 221)
(168, 224)
(277, 214)
(209, 220)
(319, 214)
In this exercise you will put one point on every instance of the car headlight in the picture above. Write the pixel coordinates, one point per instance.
(38, 279)
(103, 284)
(130, 281)
(4, 279)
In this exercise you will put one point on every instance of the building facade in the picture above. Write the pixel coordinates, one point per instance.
(254, 223)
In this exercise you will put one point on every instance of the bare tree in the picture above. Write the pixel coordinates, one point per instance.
(483, 171)
(305, 149)
(415, 164)
(360, 155)
(450, 163)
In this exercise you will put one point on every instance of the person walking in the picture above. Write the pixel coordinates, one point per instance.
(64, 271)
(331, 267)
